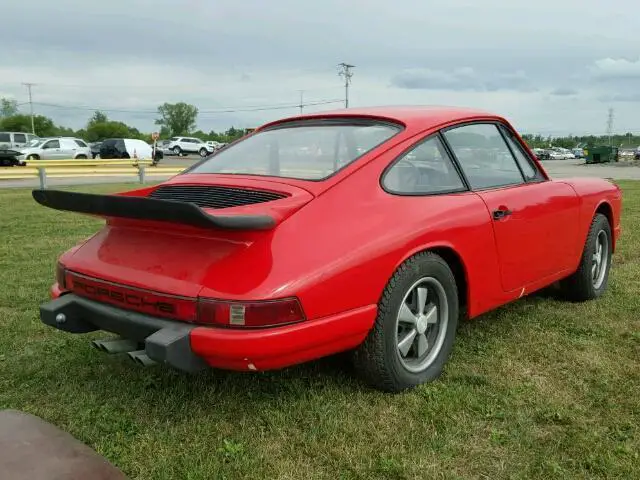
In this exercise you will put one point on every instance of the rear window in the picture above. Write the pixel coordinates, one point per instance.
(19, 138)
(5, 137)
(308, 150)
(80, 143)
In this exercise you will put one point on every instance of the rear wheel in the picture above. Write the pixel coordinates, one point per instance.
(592, 277)
(415, 328)
(81, 157)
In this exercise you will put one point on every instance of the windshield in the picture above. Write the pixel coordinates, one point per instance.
(308, 150)
(36, 142)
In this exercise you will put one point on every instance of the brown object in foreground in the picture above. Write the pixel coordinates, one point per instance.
(33, 449)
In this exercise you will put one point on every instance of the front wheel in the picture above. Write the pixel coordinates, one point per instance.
(592, 277)
(177, 150)
(415, 329)
(203, 152)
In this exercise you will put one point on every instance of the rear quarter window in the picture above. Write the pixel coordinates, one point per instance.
(5, 137)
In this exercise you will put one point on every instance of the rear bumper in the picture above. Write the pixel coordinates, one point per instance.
(191, 348)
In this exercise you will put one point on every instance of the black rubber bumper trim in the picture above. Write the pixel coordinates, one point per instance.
(166, 341)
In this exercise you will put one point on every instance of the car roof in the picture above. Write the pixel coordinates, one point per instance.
(422, 116)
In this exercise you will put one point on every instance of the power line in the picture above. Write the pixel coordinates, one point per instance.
(345, 71)
(301, 101)
(29, 85)
(255, 108)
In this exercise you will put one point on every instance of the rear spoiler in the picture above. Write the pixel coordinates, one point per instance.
(144, 208)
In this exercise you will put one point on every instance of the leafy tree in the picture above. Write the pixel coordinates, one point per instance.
(8, 107)
(110, 129)
(44, 126)
(178, 118)
(98, 117)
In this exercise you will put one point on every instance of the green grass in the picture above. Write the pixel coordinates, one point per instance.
(537, 389)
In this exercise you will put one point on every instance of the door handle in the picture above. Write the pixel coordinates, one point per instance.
(500, 214)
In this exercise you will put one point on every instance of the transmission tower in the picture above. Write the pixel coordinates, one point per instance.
(344, 70)
(610, 125)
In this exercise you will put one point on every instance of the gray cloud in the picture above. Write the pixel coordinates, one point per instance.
(460, 79)
(564, 92)
(133, 55)
(620, 97)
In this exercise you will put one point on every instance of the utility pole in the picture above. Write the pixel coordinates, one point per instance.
(610, 124)
(29, 85)
(301, 104)
(345, 71)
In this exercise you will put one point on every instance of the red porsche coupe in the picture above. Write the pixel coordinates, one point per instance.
(371, 231)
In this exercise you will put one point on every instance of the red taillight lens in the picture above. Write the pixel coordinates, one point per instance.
(249, 314)
(60, 278)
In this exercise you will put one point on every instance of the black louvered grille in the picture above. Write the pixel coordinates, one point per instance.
(214, 196)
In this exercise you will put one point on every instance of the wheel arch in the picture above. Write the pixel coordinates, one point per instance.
(457, 265)
(604, 207)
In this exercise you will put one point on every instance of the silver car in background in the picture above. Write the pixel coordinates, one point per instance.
(58, 148)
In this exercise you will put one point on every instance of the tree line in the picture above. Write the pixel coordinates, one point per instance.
(180, 119)
(174, 119)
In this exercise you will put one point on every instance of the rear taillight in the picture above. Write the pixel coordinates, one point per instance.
(60, 276)
(249, 314)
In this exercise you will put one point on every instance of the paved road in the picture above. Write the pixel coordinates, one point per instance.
(555, 168)
(577, 168)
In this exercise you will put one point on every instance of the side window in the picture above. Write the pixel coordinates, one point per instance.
(52, 144)
(5, 137)
(425, 169)
(483, 156)
(19, 138)
(528, 169)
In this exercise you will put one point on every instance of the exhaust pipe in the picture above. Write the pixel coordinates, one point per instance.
(116, 345)
(141, 358)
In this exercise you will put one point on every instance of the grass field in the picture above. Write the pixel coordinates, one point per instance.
(537, 389)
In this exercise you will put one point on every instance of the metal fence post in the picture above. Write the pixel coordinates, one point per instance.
(42, 175)
(141, 172)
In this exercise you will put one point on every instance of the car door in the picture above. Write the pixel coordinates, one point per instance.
(68, 148)
(51, 150)
(535, 220)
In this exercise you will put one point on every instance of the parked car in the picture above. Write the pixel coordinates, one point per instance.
(578, 153)
(113, 148)
(258, 258)
(9, 157)
(95, 149)
(541, 154)
(185, 145)
(16, 140)
(56, 148)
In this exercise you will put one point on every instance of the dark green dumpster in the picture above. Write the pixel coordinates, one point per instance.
(601, 154)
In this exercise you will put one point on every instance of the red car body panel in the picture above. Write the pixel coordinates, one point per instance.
(337, 242)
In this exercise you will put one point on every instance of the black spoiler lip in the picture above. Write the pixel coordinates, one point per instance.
(144, 208)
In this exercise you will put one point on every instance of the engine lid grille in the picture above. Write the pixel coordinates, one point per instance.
(210, 196)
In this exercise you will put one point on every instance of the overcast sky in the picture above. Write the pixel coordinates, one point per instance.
(552, 67)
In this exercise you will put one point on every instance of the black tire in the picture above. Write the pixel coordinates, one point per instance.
(203, 152)
(177, 150)
(378, 359)
(81, 157)
(33, 157)
(581, 286)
